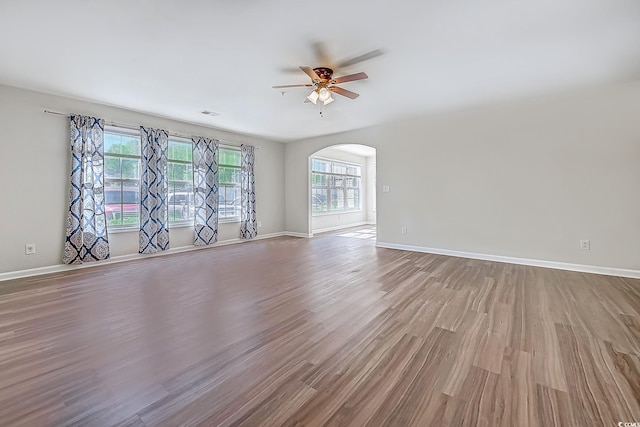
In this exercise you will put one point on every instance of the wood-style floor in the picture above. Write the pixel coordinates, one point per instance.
(323, 331)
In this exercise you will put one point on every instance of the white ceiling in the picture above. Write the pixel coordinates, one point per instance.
(176, 58)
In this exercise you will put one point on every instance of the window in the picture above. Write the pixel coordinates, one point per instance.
(229, 177)
(180, 199)
(335, 186)
(122, 178)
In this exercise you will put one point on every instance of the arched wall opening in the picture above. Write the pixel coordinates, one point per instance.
(341, 187)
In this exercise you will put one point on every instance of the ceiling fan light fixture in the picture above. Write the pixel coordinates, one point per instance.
(324, 94)
(313, 97)
(329, 100)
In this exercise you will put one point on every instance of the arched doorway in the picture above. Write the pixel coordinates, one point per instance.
(342, 190)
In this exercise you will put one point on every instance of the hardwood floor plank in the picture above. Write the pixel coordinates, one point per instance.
(359, 407)
(400, 403)
(490, 352)
(578, 366)
(482, 403)
(323, 331)
(518, 389)
(555, 408)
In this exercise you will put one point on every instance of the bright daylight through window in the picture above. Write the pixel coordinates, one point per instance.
(122, 180)
(229, 173)
(335, 186)
(180, 200)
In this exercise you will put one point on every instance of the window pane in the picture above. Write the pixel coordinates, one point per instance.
(180, 203)
(112, 143)
(179, 150)
(130, 168)
(353, 199)
(336, 190)
(181, 199)
(229, 175)
(121, 144)
(229, 201)
(339, 168)
(112, 167)
(320, 165)
(318, 179)
(319, 200)
(122, 203)
(122, 179)
(180, 172)
(337, 199)
(353, 170)
(229, 157)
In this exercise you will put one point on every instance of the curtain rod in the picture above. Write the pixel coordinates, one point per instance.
(132, 127)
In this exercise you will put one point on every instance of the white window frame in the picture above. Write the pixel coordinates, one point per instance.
(328, 186)
(131, 133)
(236, 218)
(172, 224)
(189, 221)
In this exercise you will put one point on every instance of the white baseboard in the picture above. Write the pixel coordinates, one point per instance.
(294, 234)
(340, 227)
(608, 271)
(122, 258)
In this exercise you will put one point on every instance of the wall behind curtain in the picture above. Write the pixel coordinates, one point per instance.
(34, 175)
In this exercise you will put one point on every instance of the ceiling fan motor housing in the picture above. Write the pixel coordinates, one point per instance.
(324, 73)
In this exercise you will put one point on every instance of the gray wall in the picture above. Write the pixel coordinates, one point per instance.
(34, 168)
(526, 179)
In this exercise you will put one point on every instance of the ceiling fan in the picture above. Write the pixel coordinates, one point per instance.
(324, 84)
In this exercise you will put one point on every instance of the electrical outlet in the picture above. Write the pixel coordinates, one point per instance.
(259, 224)
(585, 245)
(404, 230)
(386, 189)
(30, 248)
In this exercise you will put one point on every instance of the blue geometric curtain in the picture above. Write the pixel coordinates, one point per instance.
(205, 180)
(248, 220)
(86, 236)
(154, 225)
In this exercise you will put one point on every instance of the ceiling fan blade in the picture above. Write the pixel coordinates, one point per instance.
(290, 70)
(321, 54)
(309, 72)
(358, 59)
(350, 78)
(343, 92)
(283, 86)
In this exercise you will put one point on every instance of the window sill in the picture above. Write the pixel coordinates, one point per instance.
(229, 220)
(183, 224)
(119, 230)
(336, 213)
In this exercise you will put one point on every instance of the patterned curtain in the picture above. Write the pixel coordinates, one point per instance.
(205, 178)
(86, 237)
(154, 225)
(248, 221)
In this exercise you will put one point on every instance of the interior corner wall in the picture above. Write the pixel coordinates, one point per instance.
(526, 179)
(343, 219)
(35, 167)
